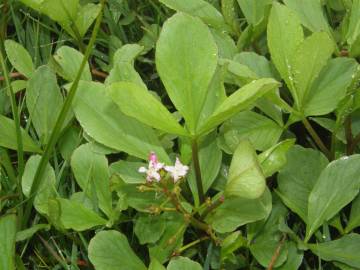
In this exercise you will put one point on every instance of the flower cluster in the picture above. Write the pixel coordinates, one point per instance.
(153, 171)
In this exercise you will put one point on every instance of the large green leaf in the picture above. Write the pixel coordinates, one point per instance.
(128, 171)
(261, 131)
(67, 62)
(330, 87)
(345, 250)
(294, 258)
(231, 16)
(171, 239)
(210, 157)
(215, 96)
(240, 100)
(86, 15)
(123, 66)
(262, 67)
(337, 185)
(298, 177)
(231, 244)
(8, 135)
(310, 13)
(149, 228)
(198, 8)
(19, 58)
(274, 159)
(254, 11)
(238, 73)
(74, 18)
(44, 101)
(141, 201)
(183, 263)
(229, 216)
(225, 43)
(267, 237)
(284, 34)
(309, 59)
(76, 216)
(92, 174)
(245, 178)
(62, 11)
(144, 107)
(110, 250)
(186, 70)
(259, 64)
(103, 121)
(47, 184)
(7, 242)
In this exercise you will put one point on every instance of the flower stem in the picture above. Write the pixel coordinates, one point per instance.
(212, 207)
(61, 118)
(196, 162)
(182, 249)
(316, 138)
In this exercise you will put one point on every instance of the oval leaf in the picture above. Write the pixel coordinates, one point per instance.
(330, 87)
(76, 216)
(260, 130)
(337, 185)
(67, 62)
(274, 158)
(92, 174)
(245, 179)
(8, 135)
(46, 188)
(103, 121)
(144, 107)
(19, 58)
(240, 100)
(298, 177)
(310, 57)
(110, 250)
(310, 13)
(198, 8)
(44, 101)
(285, 34)
(182, 263)
(345, 250)
(186, 70)
(228, 216)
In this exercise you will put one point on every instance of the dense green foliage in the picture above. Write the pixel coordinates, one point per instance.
(179, 134)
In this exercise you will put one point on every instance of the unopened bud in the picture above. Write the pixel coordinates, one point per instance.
(177, 190)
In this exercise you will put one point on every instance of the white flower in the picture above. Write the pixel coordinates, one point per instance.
(178, 171)
(152, 172)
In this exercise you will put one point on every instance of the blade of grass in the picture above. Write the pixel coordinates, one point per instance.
(5, 161)
(61, 118)
(16, 116)
(14, 108)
